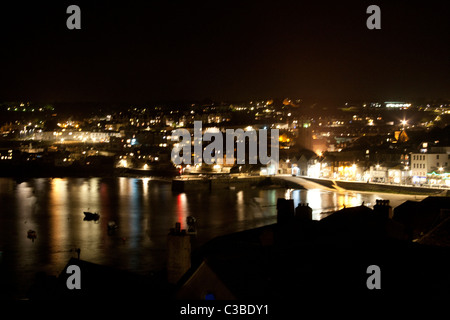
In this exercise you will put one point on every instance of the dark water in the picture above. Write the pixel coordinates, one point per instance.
(143, 208)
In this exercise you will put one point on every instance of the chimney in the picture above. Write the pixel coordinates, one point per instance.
(285, 211)
(383, 209)
(178, 253)
(303, 212)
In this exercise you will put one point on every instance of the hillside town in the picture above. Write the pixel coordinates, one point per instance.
(404, 143)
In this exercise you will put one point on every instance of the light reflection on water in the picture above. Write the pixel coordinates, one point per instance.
(144, 209)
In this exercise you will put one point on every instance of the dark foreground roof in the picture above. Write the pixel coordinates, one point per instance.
(439, 235)
(421, 217)
(319, 260)
(100, 282)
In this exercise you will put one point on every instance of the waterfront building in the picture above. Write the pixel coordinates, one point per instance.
(424, 164)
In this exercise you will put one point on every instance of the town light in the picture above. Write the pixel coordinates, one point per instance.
(123, 163)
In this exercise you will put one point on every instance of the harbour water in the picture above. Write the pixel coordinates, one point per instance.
(144, 210)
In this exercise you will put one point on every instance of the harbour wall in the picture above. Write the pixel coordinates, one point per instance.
(237, 182)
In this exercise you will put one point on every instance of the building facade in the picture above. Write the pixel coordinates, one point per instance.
(423, 164)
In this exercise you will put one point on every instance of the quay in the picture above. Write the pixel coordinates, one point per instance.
(217, 182)
(193, 183)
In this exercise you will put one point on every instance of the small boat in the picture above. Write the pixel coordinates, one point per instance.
(192, 225)
(31, 234)
(112, 225)
(91, 216)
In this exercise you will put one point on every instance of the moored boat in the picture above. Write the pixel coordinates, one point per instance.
(31, 234)
(112, 225)
(91, 215)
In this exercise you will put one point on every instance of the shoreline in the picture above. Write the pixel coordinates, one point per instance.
(378, 188)
(195, 183)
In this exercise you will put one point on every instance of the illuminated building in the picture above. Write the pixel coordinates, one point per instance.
(397, 105)
(423, 164)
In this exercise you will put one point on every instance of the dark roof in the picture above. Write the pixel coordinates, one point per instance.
(309, 259)
(438, 236)
(437, 202)
(420, 217)
(406, 209)
(102, 282)
(236, 259)
(349, 215)
(407, 204)
(306, 261)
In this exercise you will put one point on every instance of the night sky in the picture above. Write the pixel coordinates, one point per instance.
(223, 50)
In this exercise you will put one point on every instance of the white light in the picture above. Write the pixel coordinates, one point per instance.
(123, 163)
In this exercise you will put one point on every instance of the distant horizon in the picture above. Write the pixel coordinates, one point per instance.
(207, 100)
